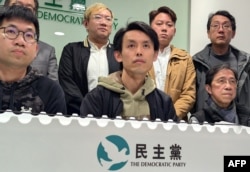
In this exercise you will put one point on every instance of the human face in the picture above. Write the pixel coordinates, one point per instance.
(137, 53)
(165, 29)
(223, 88)
(26, 3)
(17, 53)
(99, 25)
(219, 33)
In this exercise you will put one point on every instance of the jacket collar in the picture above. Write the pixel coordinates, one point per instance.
(87, 44)
(178, 53)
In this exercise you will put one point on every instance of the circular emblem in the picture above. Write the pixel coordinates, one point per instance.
(113, 152)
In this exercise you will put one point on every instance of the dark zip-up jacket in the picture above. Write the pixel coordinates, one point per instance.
(72, 72)
(105, 99)
(201, 62)
(35, 93)
(212, 115)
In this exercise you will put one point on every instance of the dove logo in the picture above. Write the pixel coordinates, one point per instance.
(113, 152)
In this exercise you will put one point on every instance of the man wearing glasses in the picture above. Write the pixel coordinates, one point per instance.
(21, 87)
(45, 61)
(83, 62)
(221, 85)
(221, 28)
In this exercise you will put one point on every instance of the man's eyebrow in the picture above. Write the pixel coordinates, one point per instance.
(27, 29)
(147, 41)
(26, 5)
(224, 22)
(131, 40)
(144, 41)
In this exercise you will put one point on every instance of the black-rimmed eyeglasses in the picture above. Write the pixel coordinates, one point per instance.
(12, 33)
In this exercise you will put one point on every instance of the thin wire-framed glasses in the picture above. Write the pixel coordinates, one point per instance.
(12, 33)
(99, 17)
(224, 81)
(217, 26)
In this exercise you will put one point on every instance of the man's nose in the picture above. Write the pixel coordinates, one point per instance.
(139, 51)
(20, 39)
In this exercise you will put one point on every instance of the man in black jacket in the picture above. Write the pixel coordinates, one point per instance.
(130, 92)
(221, 29)
(22, 87)
(221, 85)
(83, 62)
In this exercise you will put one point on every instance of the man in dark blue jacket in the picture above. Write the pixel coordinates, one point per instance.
(130, 92)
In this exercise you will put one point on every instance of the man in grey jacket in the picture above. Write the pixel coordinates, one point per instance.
(221, 27)
(45, 61)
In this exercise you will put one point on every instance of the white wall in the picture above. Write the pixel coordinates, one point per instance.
(200, 9)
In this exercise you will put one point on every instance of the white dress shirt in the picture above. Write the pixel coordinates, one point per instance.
(160, 67)
(97, 65)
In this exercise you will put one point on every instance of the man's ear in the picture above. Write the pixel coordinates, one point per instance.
(174, 31)
(156, 55)
(233, 34)
(208, 34)
(85, 23)
(208, 88)
(37, 49)
(118, 56)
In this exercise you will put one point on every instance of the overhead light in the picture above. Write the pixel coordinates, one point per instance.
(59, 33)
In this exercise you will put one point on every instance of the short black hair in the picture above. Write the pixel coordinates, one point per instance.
(19, 12)
(163, 9)
(136, 25)
(7, 3)
(222, 13)
(214, 70)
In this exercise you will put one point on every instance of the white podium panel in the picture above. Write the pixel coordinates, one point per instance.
(60, 144)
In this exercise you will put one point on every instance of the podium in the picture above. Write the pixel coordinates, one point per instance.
(64, 144)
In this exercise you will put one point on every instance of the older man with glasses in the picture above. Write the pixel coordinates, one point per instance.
(221, 29)
(221, 85)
